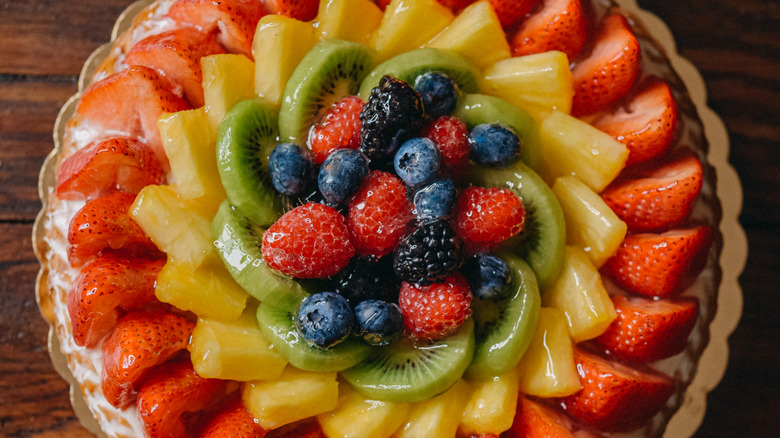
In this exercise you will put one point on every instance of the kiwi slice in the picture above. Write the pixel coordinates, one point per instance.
(408, 66)
(542, 243)
(403, 371)
(475, 109)
(278, 325)
(504, 328)
(238, 243)
(331, 70)
(245, 139)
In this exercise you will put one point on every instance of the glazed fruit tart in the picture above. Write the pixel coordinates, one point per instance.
(406, 218)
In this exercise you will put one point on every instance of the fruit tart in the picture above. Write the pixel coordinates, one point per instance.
(405, 218)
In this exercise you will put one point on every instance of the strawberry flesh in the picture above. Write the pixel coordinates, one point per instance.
(304, 10)
(557, 25)
(536, 420)
(510, 12)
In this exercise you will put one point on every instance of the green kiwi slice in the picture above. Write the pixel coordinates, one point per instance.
(278, 325)
(475, 109)
(238, 243)
(542, 243)
(245, 139)
(403, 371)
(504, 328)
(331, 70)
(408, 66)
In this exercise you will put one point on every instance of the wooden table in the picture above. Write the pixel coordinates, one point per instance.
(734, 43)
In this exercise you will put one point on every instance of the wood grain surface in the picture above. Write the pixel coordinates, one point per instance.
(735, 44)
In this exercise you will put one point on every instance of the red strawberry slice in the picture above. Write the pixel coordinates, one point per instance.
(485, 217)
(647, 330)
(115, 164)
(659, 198)
(646, 124)
(511, 11)
(659, 265)
(556, 25)
(535, 420)
(338, 129)
(130, 102)
(171, 391)
(432, 312)
(304, 10)
(611, 69)
(106, 287)
(452, 138)
(104, 225)
(176, 54)
(615, 397)
(140, 341)
(455, 5)
(382, 4)
(234, 20)
(308, 428)
(233, 421)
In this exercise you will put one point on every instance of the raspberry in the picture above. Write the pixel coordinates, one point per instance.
(452, 138)
(487, 216)
(310, 241)
(378, 213)
(339, 129)
(435, 311)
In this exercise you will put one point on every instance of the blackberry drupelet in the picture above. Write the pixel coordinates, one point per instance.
(429, 254)
(366, 278)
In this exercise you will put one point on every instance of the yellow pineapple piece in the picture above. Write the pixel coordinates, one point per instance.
(293, 396)
(359, 417)
(547, 369)
(476, 34)
(407, 25)
(227, 80)
(433, 418)
(351, 20)
(537, 83)
(581, 295)
(572, 147)
(491, 407)
(234, 350)
(590, 222)
(207, 290)
(279, 45)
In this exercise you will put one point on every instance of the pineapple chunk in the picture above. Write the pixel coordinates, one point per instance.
(537, 83)
(491, 408)
(590, 223)
(359, 417)
(234, 351)
(573, 147)
(351, 20)
(207, 290)
(407, 25)
(432, 418)
(581, 295)
(476, 34)
(295, 395)
(547, 369)
(227, 80)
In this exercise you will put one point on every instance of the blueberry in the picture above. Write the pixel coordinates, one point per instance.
(325, 319)
(291, 168)
(439, 94)
(341, 174)
(417, 161)
(494, 145)
(488, 276)
(379, 322)
(435, 200)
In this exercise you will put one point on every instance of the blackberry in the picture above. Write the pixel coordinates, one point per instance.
(367, 278)
(429, 253)
(393, 113)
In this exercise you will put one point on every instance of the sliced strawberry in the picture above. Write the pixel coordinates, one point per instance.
(382, 4)
(659, 198)
(511, 11)
(105, 287)
(130, 102)
(658, 265)
(308, 428)
(176, 54)
(535, 420)
(171, 391)
(611, 69)
(646, 124)
(233, 421)
(304, 10)
(139, 342)
(556, 25)
(338, 129)
(234, 20)
(647, 330)
(455, 5)
(115, 164)
(104, 225)
(615, 397)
